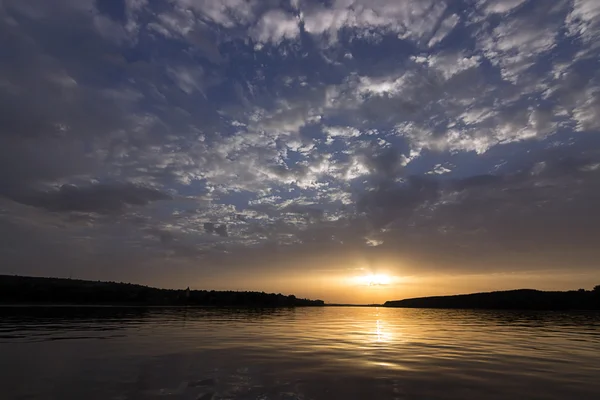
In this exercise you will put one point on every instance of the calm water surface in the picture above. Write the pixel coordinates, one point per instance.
(304, 353)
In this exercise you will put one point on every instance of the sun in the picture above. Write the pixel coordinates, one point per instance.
(374, 280)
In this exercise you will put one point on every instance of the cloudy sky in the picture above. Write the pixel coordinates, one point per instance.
(292, 145)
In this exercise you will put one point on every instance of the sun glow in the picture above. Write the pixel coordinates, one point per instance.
(374, 280)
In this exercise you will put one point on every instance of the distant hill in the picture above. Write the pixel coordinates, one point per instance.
(523, 299)
(32, 290)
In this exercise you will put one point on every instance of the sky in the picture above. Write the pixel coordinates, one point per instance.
(292, 146)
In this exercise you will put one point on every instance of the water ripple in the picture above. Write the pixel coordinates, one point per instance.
(305, 353)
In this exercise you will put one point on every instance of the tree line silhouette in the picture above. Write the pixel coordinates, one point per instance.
(33, 290)
(522, 299)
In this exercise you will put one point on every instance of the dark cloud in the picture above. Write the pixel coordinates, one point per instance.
(115, 9)
(539, 213)
(240, 217)
(310, 211)
(101, 198)
(384, 165)
(220, 230)
(296, 141)
(209, 227)
(549, 203)
(391, 201)
(477, 180)
(166, 237)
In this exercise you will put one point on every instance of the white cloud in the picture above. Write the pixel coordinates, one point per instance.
(450, 64)
(439, 169)
(132, 8)
(160, 29)
(499, 6)
(478, 140)
(373, 242)
(515, 45)
(412, 20)
(484, 128)
(276, 26)
(383, 85)
(179, 21)
(341, 131)
(587, 111)
(584, 19)
(576, 97)
(227, 13)
(445, 28)
(187, 78)
(354, 169)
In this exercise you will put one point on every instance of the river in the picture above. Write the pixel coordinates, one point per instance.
(303, 353)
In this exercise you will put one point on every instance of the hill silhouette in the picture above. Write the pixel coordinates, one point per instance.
(33, 290)
(521, 299)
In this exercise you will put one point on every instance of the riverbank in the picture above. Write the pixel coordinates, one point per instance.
(22, 290)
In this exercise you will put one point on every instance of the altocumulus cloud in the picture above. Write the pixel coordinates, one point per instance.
(189, 135)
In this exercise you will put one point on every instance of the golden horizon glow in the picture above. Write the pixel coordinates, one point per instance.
(373, 280)
(352, 283)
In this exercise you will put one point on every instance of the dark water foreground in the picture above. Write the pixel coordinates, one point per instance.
(303, 353)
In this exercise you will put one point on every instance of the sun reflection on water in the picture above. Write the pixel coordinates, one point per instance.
(383, 335)
(319, 353)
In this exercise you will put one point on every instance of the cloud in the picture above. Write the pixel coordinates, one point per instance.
(188, 79)
(520, 39)
(446, 26)
(487, 213)
(499, 6)
(220, 230)
(276, 26)
(209, 227)
(309, 210)
(181, 24)
(340, 131)
(390, 202)
(586, 113)
(102, 198)
(584, 19)
(450, 64)
(407, 19)
(429, 130)
(439, 169)
(227, 13)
